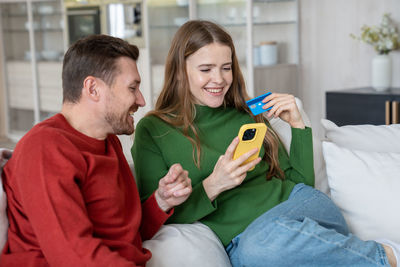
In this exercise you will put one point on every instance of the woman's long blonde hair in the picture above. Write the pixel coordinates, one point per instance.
(175, 104)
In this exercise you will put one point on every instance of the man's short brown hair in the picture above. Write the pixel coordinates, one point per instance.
(95, 55)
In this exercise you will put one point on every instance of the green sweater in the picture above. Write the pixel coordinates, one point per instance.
(158, 145)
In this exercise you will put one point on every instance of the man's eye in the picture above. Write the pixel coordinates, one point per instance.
(132, 88)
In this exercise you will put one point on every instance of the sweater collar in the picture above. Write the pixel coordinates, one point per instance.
(204, 112)
(98, 145)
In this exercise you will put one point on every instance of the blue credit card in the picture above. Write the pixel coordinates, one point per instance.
(256, 104)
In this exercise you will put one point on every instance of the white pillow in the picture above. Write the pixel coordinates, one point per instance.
(193, 245)
(378, 138)
(285, 134)
(366, 187)
(5, 154)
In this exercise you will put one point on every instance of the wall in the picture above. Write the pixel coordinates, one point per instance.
(330, 59)
(2, 99)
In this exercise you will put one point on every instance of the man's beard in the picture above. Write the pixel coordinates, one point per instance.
(119, 124)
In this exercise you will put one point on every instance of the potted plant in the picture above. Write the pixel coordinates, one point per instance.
(384, 38)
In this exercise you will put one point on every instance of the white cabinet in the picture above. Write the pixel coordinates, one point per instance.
(275, 21)
(32, 35)
(19, 81)
(163, 20)
(251, 23)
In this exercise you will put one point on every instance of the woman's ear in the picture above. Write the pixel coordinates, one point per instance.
(91, 88)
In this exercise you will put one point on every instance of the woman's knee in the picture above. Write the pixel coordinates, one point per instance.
(265, 248)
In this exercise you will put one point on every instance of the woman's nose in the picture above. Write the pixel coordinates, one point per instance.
(218, 77)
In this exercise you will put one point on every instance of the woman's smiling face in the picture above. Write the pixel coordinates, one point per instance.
(209, 71)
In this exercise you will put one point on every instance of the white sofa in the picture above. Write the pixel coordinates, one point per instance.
(359, 166)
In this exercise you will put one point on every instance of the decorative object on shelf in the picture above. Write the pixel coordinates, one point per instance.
(381, 72)
(384, 38)
(182, 2)
(28, 55)
(35, 25)
(268, 53)
(45, 9)
(50, 55)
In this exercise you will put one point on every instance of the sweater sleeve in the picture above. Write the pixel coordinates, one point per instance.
(151, 166)
(50, 187)
(153, 217)
(298, 166)
(196, 207)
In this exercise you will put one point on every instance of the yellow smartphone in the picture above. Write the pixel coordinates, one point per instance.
(251, 136)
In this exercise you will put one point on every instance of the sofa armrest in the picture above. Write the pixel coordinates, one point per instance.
(5, 155)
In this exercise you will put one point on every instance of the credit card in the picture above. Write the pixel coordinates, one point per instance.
(256, 105)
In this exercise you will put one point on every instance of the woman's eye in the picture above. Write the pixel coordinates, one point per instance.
(204, 70)
(227, 68)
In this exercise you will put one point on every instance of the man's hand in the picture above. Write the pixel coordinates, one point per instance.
(174, 188)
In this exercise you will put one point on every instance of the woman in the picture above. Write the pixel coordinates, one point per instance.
(268, 216)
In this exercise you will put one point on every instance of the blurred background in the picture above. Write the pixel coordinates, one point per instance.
(302, 47)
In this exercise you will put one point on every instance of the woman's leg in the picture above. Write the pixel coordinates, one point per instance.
(306, 230)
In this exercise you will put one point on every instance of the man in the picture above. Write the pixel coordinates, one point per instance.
(72, 200)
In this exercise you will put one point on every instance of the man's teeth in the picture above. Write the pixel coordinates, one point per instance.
(213, 90)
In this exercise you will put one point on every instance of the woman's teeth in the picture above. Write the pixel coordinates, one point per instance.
(213, 90)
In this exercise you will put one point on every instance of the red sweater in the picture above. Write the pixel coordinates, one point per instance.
(72, 201)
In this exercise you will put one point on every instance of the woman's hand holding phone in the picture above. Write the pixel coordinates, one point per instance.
(284, 106)
(229, 173)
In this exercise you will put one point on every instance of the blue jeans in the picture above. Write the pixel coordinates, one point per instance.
(306, 230)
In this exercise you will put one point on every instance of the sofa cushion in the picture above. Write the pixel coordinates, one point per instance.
(193, 245)
(377, 138)
(365, 185)
(285, 134)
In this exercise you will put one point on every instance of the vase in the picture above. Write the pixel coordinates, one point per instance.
(381, 72)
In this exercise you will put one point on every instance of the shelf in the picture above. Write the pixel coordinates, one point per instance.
(272, 1)
(279, 65)
(279, 78)
(368, 91)
(167, 4)
(275, 22)
(28, 61)
(24, 15)
(164, 26)
(241, 2)
(19, 81)
(289, 22)
(259, 23)
(213, 2)
(35, 30)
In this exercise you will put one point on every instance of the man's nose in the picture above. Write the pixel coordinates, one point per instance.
(140, 99)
